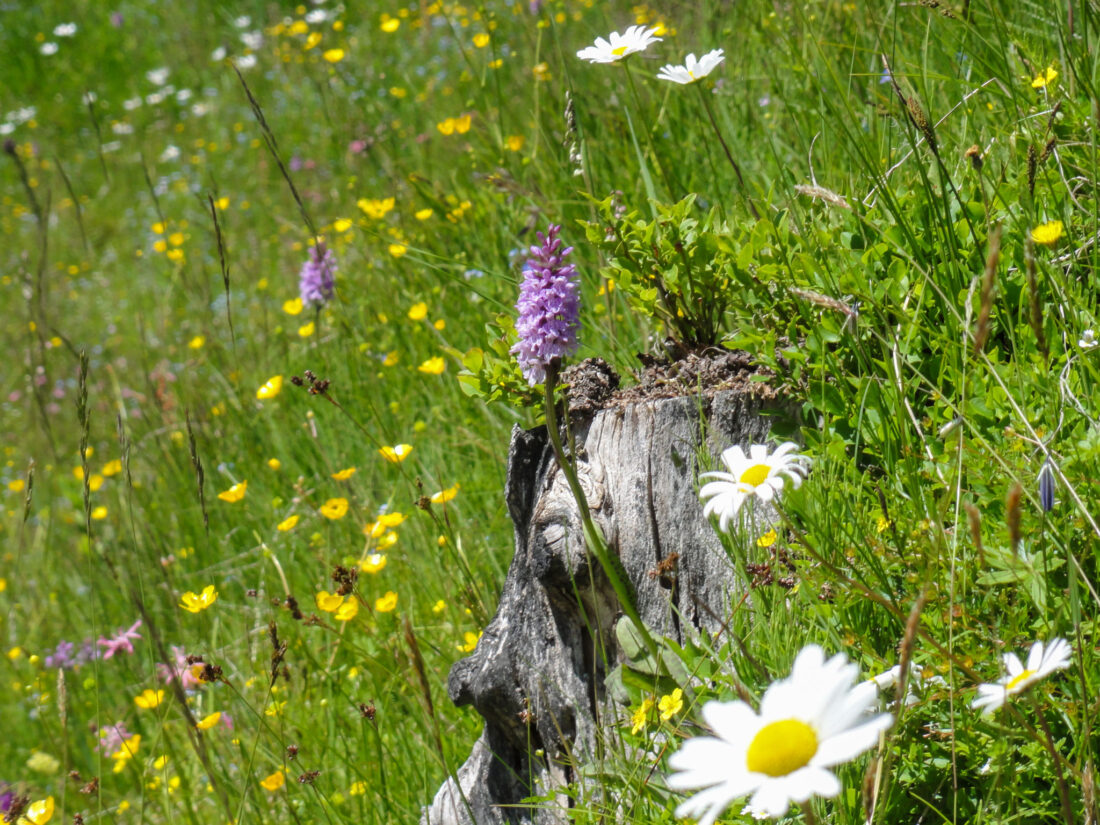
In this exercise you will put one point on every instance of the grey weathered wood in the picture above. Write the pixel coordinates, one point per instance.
(537, 675)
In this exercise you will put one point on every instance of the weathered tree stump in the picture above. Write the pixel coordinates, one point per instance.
(537, 675)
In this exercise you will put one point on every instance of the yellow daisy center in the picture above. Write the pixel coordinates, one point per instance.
(619, 51)
(1027, 674)
(781, 748)
(756, 475)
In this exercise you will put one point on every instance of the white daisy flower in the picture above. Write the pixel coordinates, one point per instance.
(48, 48)
(64, 30)
(1087, 339)
(808, 723)
(634, 39)
(757, 474)
(158, 77)
(1041, 661)
(692, 69)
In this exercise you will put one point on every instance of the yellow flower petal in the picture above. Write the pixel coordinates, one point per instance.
(397, 453)
(273, 782)
(272, 387)
(443, 496)
(307, 330)
(335, 508)
(328, 602)
(1048, 234)
(287, 524)
(433, 366)
(148, 699)
(194, 603)
(207, 722)
(345, 474)
(418, 312)
(386, 603)
(373, 563)
(347, 611)
(234, 493)
(293, 306)
(334, 55)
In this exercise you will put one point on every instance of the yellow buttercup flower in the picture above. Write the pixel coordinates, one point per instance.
(443, 496)
(433, 366)
(640, 716)
(397, 453)
(149, 699)
(439, 606)
(334, 55)
(194, 603)
(373, 563)
(423, 214)
(345, 474)
(481, 40)
(335, 508)
(328, 602)
(287, 524)
(99, 513)
(293, 307)
(767, 540)
(112, 468)
(389, 24)
(1044, 78)
(418, 312)
(341, 225)
(274, 463)
(376, 209)
(386, 603)
(397, 249)
(207, 722)
(671, 704)
(514, 143)
(311, 41)
(469, 643)
(307, 330)
(272, 387)
(234, 493)
(39, 813)
(347, 611)
(273, 782)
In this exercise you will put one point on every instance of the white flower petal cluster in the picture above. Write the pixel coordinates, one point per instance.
(808, 723)
(756, 474)
(692, 69)
(634, 39)
(1043, 660)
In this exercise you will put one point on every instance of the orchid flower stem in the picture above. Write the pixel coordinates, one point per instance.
(592, 534)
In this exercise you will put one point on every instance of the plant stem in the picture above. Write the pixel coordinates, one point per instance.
(593, 536)
(725, 148)
(1048, 740)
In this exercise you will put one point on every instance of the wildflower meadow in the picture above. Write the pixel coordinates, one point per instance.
(280, 280)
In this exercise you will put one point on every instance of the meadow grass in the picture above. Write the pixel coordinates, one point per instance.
(907, 223)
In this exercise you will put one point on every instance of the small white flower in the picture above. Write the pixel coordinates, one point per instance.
(253, 40)
(1088, 339)
(218, 54)
(692, 69)
(1041, 661)
(89, 97)
(808, 723)
(157, 77)
(7, 128)
(121, 128)
(757, 474)
(184, 95)
(634, 39)
(316, 16)
(170, 153)
(200, 109)
(132, 103)
(64, 30)
(48, 48)
(243, 22)
(246, 61)
(155, 98)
